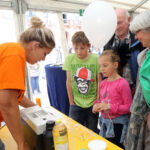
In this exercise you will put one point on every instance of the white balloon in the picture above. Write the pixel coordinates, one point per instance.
(99, 23)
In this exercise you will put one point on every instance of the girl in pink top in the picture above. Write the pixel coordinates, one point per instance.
(114, 101)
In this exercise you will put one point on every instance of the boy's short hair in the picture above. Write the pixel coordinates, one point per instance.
(80, 37)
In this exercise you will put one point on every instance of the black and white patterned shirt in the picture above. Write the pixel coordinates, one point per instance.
(126, 69)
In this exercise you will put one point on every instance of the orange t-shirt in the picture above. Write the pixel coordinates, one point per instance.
(12, 68)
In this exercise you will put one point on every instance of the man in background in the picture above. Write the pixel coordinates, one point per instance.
(127, 46)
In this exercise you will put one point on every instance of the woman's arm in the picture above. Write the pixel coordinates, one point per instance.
(10, 112)
(26, 102)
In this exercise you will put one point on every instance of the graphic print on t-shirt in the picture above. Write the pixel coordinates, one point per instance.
(83, 79)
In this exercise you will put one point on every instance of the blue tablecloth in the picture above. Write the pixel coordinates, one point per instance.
(56, 85)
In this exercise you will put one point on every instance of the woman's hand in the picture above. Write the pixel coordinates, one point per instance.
(148, 121)
(23, 146)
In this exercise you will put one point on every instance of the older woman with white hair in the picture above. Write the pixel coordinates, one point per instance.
(138, 136)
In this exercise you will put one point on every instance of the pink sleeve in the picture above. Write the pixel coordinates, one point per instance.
(126, 98)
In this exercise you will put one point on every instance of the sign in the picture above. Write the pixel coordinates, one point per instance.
(81, 11)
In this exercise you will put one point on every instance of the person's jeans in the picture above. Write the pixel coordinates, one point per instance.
(35, 84)
(84, 116)
(2, 147)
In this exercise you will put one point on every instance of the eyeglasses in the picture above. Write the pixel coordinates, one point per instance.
(137, 32)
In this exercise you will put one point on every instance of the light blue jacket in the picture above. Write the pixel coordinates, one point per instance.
(107, 126)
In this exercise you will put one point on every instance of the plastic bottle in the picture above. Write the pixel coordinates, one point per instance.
(48, 136)
(60, 136)
(38, 101)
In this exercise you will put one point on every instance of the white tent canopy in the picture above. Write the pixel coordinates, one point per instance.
(72, 5)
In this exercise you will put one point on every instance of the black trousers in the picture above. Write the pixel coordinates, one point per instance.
(116, 140)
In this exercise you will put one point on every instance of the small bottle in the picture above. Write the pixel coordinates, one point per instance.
(48, 136)
(38, 101)
(60, 136)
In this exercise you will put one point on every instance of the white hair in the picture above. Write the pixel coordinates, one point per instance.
(141, 22)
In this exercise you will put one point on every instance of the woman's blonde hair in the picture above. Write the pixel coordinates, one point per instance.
(38, 32)
(114, 57)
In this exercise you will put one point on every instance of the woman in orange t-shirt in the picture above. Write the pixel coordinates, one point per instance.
(34, 44)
